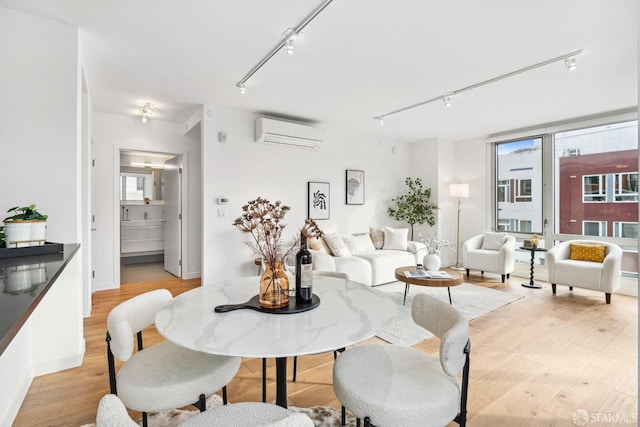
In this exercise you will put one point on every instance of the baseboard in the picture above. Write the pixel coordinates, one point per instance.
(56, 365)
(11, 411)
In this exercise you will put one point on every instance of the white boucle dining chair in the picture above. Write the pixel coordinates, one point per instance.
(112, 413)
(389, 385)
(162, 376)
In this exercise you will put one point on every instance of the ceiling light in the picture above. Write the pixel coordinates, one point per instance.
(381, 120)
(287, 42)
(290, 36)
(567, 57)
(146, 112)
(148, 165)
(242, 88)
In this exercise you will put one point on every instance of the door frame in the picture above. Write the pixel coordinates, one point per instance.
(116, 205)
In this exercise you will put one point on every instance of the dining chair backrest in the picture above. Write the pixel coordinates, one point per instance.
(132, 316)
(445, 322)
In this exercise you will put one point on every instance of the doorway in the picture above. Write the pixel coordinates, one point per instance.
(150, 216)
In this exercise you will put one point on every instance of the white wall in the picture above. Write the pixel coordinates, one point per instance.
(242, 170)
(112, 133)
(39, 139)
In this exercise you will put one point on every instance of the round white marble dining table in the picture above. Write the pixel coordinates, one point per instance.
(348, 313)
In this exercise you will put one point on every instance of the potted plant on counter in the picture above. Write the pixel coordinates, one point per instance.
(26, 227)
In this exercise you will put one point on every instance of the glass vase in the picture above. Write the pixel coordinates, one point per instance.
(274, 286)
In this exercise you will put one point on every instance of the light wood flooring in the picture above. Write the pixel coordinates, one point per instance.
(533, 362)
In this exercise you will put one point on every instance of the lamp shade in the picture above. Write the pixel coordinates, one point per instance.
(459, 190)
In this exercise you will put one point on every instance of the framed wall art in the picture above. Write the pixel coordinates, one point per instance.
(318, 207)
(354, 187)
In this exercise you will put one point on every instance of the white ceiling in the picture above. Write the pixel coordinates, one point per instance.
(359, 59)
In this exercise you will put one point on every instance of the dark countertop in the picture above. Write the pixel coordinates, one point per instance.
(24, 281)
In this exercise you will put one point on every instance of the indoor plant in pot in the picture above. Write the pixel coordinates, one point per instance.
(26, 227)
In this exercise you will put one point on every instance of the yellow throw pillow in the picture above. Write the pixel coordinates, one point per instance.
(585, 252)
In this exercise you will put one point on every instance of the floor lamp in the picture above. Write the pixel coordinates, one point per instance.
(458, 190)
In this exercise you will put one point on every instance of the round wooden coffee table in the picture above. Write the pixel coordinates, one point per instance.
(456, 279)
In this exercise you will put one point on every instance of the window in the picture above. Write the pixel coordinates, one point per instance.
(503, 191)
(626, 187)
(594, 188)
(518, 185)
(625, 229)
(594, 228)
(523, 190)
(596, 172)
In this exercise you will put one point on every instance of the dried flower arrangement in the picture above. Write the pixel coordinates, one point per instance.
(263, 220)
(433, 244)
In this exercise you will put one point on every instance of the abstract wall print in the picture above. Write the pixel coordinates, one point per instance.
(355, 187)
(318, 200)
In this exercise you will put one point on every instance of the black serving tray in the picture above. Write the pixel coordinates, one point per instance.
(254, 304)
(47, 248)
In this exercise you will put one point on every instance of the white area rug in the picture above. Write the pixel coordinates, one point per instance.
(322, 416)
(471, 300)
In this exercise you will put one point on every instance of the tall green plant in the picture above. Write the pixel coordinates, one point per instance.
(414, 207)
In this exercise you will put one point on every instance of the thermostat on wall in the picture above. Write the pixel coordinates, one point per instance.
(223, 200)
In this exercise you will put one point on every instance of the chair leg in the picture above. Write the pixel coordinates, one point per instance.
(553, 288)
(467, 273)
(224, 395)
(264, 379)
(607, 297)
(344, 415)
(357, 422)
(482, 272)
(570, 288)
(295, 367)
(367, 421)
(503, 277)
(202, 403)
(145, 422)
(508, 275)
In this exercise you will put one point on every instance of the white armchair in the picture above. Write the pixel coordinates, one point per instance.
(598, 276)
(493, 252)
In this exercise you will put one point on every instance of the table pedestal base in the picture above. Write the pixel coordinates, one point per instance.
(532, 285)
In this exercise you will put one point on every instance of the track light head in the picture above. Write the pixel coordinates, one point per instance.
(380, 120)
(447, 101)
(290, 36)
(570, 63)
(242, 88)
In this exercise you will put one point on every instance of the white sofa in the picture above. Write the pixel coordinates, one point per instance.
(493, 252)
(579, 271)
(362, 261)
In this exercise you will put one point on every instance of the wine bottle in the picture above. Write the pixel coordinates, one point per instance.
(304, 272)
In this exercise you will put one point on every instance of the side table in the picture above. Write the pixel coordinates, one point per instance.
(531, 283)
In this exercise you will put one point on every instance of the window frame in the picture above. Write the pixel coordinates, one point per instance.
(603, 188)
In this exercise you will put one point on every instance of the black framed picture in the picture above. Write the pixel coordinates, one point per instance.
(318, 207)
(354, 187)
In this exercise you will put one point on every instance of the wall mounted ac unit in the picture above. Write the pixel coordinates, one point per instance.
(287, 134)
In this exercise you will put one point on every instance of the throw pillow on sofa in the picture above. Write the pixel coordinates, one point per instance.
(493, 241)
(359, 244)
(395, 238)
(337, 245)
(377, 237)
(318, 244)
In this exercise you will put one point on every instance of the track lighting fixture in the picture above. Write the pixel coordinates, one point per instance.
(288, 38)
(242, 88)
(146, 112)
(568, 58)
(381, 121)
